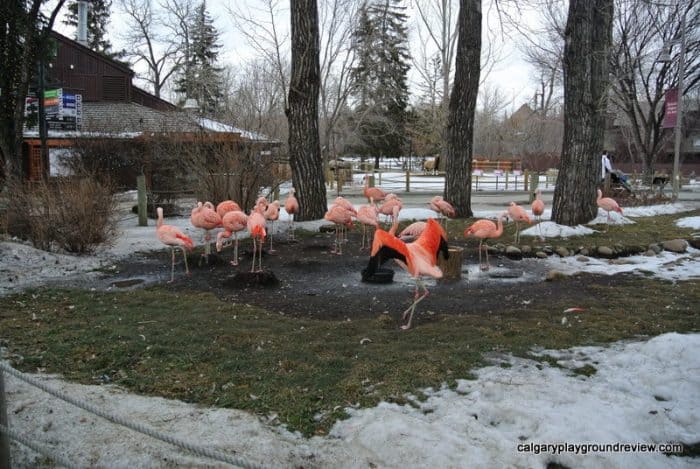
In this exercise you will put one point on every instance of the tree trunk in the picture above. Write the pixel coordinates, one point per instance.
(588, 38)
(460, 119)
(302, 113)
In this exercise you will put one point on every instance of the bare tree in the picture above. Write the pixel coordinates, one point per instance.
(302, 111)
(148, 45)
(586, 56)
(643, 30)
(460, 121)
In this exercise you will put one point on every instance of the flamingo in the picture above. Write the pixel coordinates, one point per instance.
(173, 237)
(538, 209)
(418, 258)
(442, 207)
(256, 227)
(227, 206)
(391, 207)
(341, 217)
(367, 216)
(517, 214)
(272, 213)
(204, 216)
(346, 204)
(291, 206)
(607, 204)
(484, 229)
(233, 222)
(412, 231)
(372, 193)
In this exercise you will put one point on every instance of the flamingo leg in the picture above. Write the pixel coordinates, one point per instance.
(172, 264)
(411, 309)
(235, 250)
(262, 241)
(255, 250)
(184, 254)
(272, 228)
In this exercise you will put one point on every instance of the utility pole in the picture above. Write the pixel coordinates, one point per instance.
(679, 113)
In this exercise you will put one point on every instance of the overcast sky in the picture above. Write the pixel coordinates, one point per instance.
(511, 75)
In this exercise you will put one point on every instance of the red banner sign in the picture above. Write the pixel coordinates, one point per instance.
(670, 108)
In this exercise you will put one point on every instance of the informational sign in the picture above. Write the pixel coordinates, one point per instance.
(64, 111)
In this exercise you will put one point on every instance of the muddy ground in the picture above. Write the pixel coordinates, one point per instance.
(310, 281)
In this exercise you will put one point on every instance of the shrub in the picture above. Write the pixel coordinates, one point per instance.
(74, 214)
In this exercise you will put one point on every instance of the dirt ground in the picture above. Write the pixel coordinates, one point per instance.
(303, 278)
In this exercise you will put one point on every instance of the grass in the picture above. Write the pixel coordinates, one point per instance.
(194, 347)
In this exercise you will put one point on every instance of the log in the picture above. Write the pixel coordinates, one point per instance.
(452, 267)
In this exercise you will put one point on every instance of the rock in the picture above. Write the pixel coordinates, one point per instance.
(541, 255)
(620, 261)
(527, 249)
(553, 275)
(583, 251)
(582, 258)
(548, 250)
(505, 273)
(695, 243)
(562, 251)
(650, 253)
(675, 245)
(605, 251)
(514, 252)
(655, 247)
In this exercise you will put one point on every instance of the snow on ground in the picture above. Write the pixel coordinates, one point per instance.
(641, 393)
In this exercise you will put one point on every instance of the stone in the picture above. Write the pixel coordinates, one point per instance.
(512, 251)
(582, 258)
(655, 247)
(562, 251)
(605, 251)
(527, 249)
(584, 251)
(541, 255)
(675, 245)
(650, 253)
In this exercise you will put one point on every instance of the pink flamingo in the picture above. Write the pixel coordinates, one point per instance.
(372, 193)
(367, 216)
(412, 231)
(291, 206)
(609, 205)
(417, 258)
(346, 204)
(517, 214)
(391, 207)
(256, 227)
(233, 222)
(341, 217)
(209, 220)
(227, 206)
(272, 213)
(484, 229)
(538, 209)
(173, 237)
(442, 207)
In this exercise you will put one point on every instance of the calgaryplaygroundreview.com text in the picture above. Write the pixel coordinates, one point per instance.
(586, 448)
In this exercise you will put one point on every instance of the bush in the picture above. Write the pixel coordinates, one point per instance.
(74, 214)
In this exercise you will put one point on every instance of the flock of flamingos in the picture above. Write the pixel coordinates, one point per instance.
(415, 248)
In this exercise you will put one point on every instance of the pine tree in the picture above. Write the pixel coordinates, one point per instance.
(201, 79)
(97, 21)
(381, 42)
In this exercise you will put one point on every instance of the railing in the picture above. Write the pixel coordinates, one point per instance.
(7, 433)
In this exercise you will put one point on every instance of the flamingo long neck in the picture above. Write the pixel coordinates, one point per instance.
(159, 222)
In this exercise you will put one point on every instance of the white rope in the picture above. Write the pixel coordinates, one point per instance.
(197, 449)
(39, 449)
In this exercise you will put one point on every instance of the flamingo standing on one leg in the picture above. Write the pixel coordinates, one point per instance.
(517, 214)
(538, 209)
(291, 206)
(341, 217)
(609, 205)
(346, 204)
(367, 216)
(233, 222)
(207, 219)
(484, 229)
(227, 206)
(417, 258)
(256, 227)
(272, 213)
(173, 237)
(391, 207)
(372, 193)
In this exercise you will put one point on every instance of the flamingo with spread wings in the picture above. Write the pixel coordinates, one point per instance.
(418, 258)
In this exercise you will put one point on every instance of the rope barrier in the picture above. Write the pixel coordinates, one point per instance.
(39, 449)
(197, 449)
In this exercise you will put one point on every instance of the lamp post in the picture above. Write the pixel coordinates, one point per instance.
(679, 113)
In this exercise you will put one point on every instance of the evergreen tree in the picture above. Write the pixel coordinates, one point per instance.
(381, 91)
(97, 21)
(201, 79)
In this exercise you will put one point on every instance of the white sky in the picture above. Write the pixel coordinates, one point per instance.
(511, 75)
